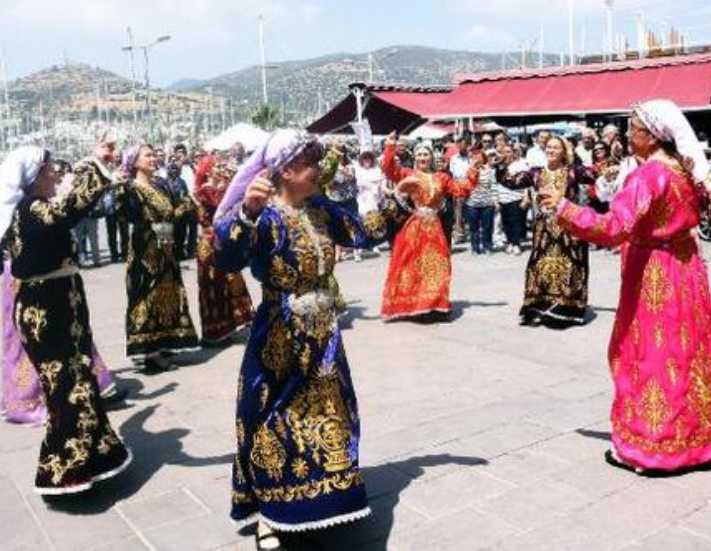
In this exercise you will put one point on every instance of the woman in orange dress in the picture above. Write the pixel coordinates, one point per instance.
(420, 268)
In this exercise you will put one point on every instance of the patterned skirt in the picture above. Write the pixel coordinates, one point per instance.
(420, 270)
(225, 304)
(22, 399)
(297, 424)
(556, 276)
(80, 446)
(157, 317)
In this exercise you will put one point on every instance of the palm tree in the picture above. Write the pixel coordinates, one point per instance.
(266, 117)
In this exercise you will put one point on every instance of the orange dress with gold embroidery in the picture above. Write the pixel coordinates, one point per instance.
(420, 268)
(660, 350)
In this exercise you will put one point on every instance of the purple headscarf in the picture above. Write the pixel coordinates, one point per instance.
(282, 147)
(129, 158)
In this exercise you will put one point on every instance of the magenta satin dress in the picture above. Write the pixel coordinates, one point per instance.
(22, 399)
(660, 349)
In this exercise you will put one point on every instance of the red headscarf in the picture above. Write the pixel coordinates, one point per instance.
(204, 168)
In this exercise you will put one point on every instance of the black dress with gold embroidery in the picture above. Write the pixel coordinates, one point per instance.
(297, 416)
(157, 317)
(556, 291)
(51, 314)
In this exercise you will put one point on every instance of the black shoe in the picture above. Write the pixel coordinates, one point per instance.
(154, 366)
(117, 396)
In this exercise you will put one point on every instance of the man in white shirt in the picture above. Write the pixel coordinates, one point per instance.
(584, 151)
(536, 156)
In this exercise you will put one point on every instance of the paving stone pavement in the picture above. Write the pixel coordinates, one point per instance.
(477, 434)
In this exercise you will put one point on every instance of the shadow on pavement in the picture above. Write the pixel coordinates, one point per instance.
(151, 450)
(597, 434)
(384, 489)
(353, 313)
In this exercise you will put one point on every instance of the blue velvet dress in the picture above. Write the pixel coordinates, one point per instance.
(297, 416)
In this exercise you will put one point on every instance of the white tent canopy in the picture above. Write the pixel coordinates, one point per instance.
(428, 132)
(251, 137)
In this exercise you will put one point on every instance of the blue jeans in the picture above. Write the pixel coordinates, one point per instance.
(481, 227)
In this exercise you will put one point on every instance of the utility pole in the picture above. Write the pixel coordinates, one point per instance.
(7, 115)
(265, 97)
(610, 36)
(541, 39)
(571, 32)
(641, 36)
(133, 74)
(371, 68)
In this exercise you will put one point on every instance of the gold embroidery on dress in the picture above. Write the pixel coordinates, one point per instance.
(317, 417)
(311, 489)
(653, 406)
(35, 319)
(656, 287)
(636, 332)
(48, 373)
(300, 468)
(23, 374)
(684, 336)
(268, 453)
(661, 213)
(659, 334)
(672, 368)
(700, 387)
(278, 349)
(555, 269)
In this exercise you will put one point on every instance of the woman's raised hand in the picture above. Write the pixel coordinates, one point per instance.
(257, 195)
(391, 138)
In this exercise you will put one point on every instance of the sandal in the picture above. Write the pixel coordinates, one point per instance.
(262, 544)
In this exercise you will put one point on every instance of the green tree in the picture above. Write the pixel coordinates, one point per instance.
(266, 117)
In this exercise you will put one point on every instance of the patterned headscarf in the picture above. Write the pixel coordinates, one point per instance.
(128, 160)
(17, 173)
(282, 147)
(667, 123)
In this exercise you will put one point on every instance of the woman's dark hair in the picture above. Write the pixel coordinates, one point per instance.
(602, 145)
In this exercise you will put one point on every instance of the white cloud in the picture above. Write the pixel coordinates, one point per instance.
(207, 20)
(532, 8)
(485, 38)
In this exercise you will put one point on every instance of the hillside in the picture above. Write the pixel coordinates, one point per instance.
(308, 87)
(300, 90)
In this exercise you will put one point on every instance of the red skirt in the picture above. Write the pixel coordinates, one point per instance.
(225, 304)
(420, 270)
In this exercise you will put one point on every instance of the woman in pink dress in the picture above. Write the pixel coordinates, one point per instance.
(660, 349)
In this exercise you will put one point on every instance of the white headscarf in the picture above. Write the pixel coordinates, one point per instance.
(17, 173)
(667, 123)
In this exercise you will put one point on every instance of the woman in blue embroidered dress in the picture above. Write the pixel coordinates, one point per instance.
(297, 418)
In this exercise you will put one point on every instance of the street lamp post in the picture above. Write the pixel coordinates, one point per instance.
(147, 79)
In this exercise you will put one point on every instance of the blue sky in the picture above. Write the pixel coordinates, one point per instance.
(211, 37)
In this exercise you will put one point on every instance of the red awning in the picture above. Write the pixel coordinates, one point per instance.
(582, 90)
(419, 103)
(387, 108)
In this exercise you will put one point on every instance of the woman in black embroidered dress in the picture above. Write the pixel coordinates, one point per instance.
(556, 292)
(51, 314)
(157, 318)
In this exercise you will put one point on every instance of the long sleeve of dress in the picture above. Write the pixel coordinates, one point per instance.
(241, 242)
(460, 189)
(89, 185)
(329, 167)
(350, 230)
(391, 168)
(628, 207)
